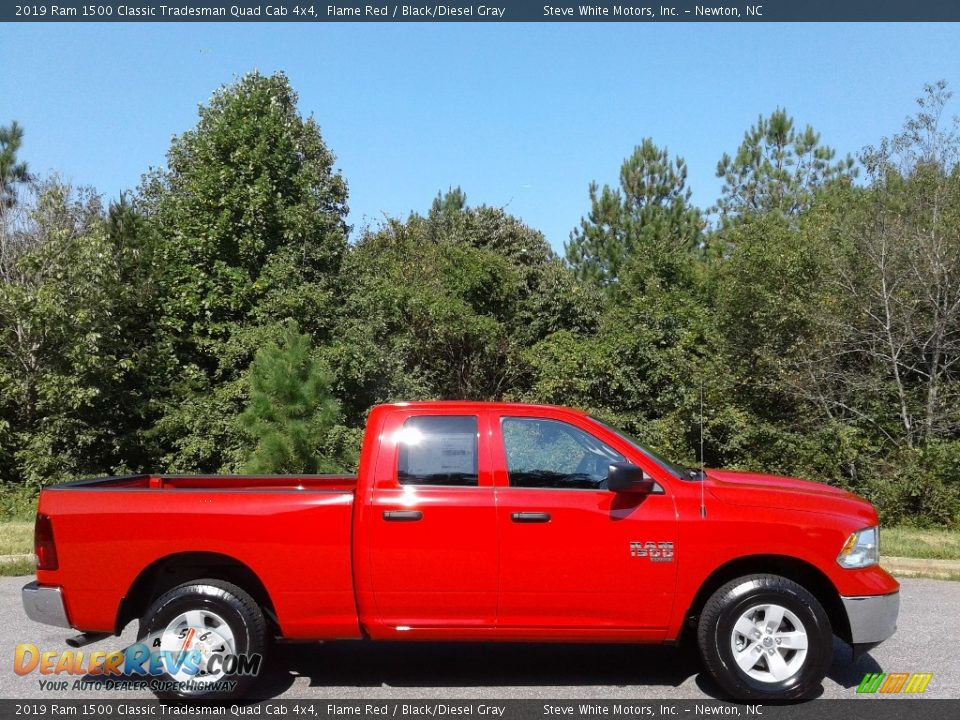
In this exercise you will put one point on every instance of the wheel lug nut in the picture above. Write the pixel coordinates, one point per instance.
(779, 640)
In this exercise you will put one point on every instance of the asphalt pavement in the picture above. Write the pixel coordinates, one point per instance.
(927, 641)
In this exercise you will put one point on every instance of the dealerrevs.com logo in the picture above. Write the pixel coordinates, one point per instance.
(892, 683)
(184, 659)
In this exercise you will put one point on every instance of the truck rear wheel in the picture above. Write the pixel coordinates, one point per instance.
(765, 637)
(210, 637)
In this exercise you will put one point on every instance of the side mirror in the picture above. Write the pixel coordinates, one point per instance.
(626, 478)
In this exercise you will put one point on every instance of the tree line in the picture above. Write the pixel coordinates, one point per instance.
(218, 319)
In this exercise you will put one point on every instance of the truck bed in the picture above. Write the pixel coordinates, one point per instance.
(292, 532)
(338, 483)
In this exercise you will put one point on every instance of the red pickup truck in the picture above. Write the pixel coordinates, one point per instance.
(470, 522)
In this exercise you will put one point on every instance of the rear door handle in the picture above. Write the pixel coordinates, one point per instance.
(530, 517)
(402, 515)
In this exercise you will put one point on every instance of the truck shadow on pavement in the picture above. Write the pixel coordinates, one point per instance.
(468, 665)
(411, 666)
(846, 673)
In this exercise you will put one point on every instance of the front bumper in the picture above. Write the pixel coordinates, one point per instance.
(873, 618)
(44, 604)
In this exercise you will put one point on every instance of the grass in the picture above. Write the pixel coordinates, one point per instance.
(902, 567)
(17, 566)
(912, 543)
(16, 538)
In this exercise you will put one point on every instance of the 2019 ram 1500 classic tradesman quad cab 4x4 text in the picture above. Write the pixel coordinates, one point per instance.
(472, 522)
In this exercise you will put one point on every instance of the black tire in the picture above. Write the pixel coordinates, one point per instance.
(716, 638)
(239, 611)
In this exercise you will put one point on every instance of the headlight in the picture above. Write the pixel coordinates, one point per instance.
(862, 549)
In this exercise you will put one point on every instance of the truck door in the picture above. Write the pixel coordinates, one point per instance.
(431, 525)
(575, 555)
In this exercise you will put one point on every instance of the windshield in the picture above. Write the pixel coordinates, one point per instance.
(674, 470)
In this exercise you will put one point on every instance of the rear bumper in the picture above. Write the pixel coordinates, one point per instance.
(873, 618)
(44, 604)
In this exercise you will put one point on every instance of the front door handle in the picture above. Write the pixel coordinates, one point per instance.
(530, 517)
(402, 515)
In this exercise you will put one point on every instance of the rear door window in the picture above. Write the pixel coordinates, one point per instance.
(438, 450)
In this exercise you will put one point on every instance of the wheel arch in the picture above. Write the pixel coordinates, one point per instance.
(172, 570)
(799, 571)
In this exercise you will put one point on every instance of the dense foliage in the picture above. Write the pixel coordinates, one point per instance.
(217, 319)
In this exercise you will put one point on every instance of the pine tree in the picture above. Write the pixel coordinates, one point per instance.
(12, 171)
(777, 168)
(649, 216)
(452, 201)
(290, 410)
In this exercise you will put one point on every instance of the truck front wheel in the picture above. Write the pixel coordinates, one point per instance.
(206, 639)
(765, 637)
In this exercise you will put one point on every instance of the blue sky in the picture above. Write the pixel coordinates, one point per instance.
(521, 116)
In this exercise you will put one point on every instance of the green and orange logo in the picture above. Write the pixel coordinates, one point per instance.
(890, 683)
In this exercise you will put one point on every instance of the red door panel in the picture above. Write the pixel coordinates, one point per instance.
(582, 568)
(432, 548)
(440, 570)
(573, 554)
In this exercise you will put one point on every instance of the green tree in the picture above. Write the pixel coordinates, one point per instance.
(777, 168)
(891, 349)
(12, 170)
(648, 219)
(133, 248)
(451, 202)
(249, 216)
(291, 413)
(68, 372)
(840, 327)
(640, 370)
(443, 305)
(767, 298)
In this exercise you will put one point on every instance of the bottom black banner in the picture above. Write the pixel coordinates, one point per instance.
(892, 708)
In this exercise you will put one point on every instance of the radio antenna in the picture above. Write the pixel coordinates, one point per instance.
(703, 474)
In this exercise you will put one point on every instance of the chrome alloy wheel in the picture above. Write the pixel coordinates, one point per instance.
(769, 643)
(202, 631)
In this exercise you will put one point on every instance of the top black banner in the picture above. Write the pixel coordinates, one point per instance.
(304, 11)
